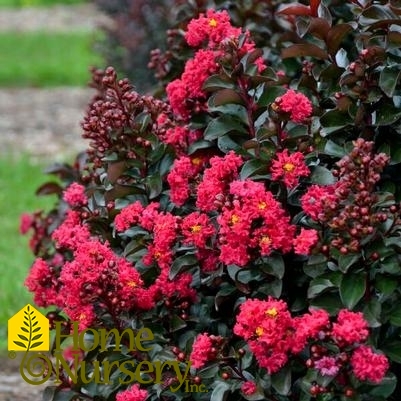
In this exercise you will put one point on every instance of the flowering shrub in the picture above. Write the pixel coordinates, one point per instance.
(250, 218)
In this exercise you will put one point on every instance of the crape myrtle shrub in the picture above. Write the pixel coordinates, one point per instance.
(250, 218)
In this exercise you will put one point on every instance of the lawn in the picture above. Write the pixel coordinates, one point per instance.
(18, 180)
(46, 59)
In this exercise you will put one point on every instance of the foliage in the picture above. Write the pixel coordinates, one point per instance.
(250, 217)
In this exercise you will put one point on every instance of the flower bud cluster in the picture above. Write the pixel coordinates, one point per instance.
(116, 123)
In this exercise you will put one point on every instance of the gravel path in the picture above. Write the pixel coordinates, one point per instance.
(45, 122)
(42, 122)
(56, 18)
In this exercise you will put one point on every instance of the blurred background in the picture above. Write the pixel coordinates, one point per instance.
(46, 49)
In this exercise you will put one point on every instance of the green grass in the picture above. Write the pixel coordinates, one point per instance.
(37, 3)
(46, 59)
(18, 180)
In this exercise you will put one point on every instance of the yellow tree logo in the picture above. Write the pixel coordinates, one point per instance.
(28, 330)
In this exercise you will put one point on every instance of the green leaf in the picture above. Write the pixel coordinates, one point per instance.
(322, 176)
(389, 78)
(181, 263)
(223, 294)
(352, 289)
(193, 147)
(385, 388)
(332, 149)
(392, 349)
(372, 313)
(318, 285)
(281, 381)
(387, 114)
(217, 82)
(225, 144)
(395, 316)
(330, 302)
(220, 392)
(176, 323)
(334, 120)
(267, 94)
(154, 185)
(386, 285)
(223, 125)
(346, 261)
(252, 167)
(274, 265)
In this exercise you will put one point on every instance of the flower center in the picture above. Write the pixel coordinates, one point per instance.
(196, 161)
(196, 228)
(212, 23)
(272, 312)
(265, 240)
(234, 219)
(259, 331)
(131, 284)
(288, 167)
(262, 205)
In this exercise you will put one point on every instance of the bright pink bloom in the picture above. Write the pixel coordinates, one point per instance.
(72, 232)
(316, 199)
(178, 288)
(327, 366)
(133, 393)
(42, 282)
(201, 351)
(305, 241)
(197, 229)
(216, 180)
(26, 222)
(128, 216)
(75, 195)
(367, 365)
(182, 174)
(213, 27)
(197, 70)
(177, 95)
(289, 168)
(249, 388)
(309, 326)
(350, 328)
(297, 104)
(267, 326)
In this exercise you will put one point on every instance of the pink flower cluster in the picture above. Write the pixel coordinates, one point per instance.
(133, 393)
(296, 104)
(75, 195)
(273, 335)
(211, 30)
(289, 168)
